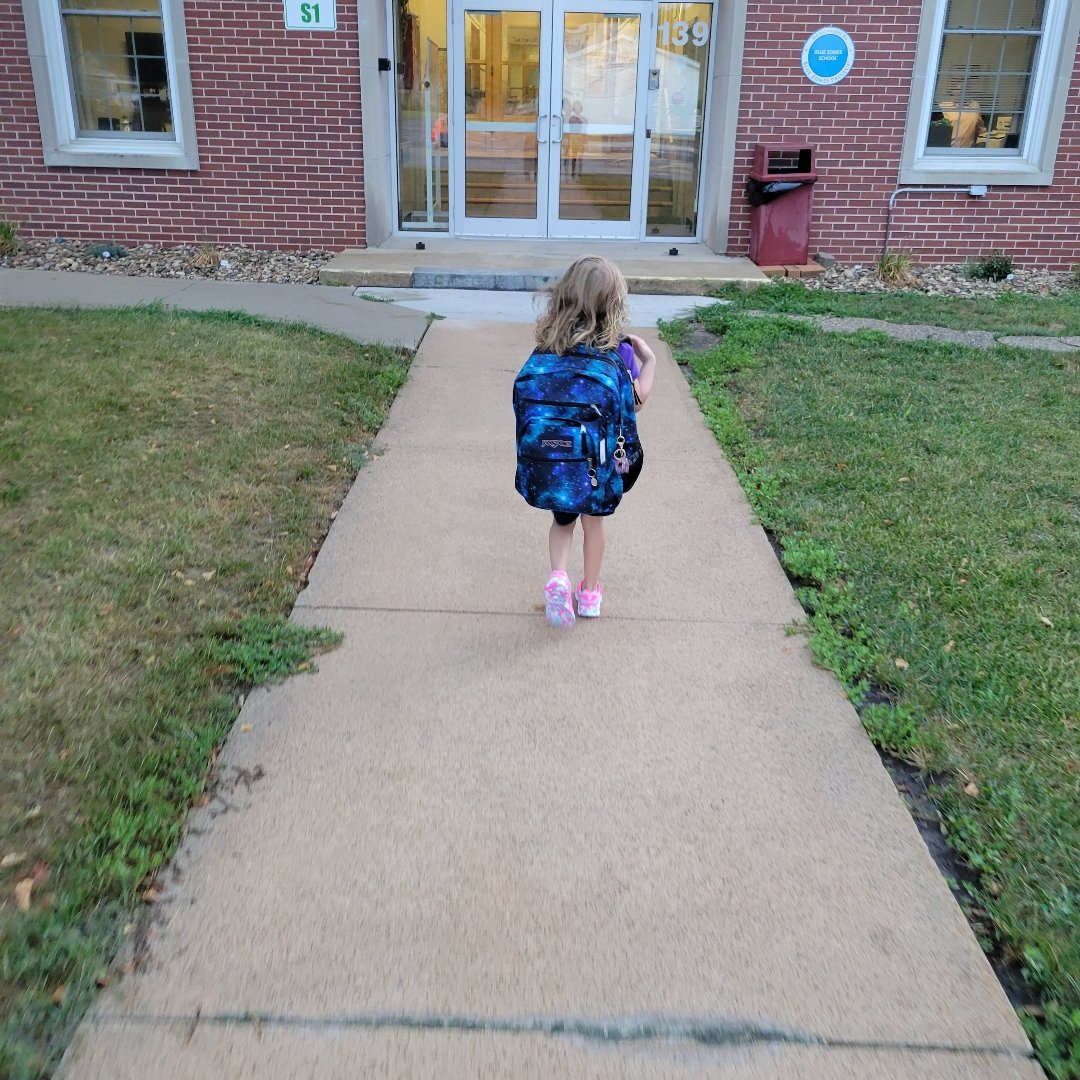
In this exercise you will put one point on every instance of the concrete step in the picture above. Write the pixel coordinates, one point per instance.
(517, 264)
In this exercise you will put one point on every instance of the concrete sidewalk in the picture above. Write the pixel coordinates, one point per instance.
(656, 845)
(394, 316)
(336, 310)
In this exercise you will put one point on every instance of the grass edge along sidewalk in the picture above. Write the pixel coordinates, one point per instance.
(165, 480)
(925, 498)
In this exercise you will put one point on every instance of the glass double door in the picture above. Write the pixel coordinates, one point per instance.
(548, 117)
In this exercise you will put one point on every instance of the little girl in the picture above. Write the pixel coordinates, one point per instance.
(587, 306)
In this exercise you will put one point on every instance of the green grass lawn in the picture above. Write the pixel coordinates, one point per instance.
(929, 497)
(1008, 314)
(165, 479)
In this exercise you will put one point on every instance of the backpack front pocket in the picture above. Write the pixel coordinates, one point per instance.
(557, 463)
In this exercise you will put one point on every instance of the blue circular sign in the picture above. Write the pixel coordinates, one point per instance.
(828, 56)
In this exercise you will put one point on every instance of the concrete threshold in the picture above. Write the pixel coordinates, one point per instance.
(521, 265)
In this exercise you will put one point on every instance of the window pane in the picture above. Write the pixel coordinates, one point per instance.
(502, 82)
(420, 83)
(119, 76)
(105, 6)
(1027, 15)
(962, 14)
(994, 15)
(599, 109)
(684, 36)
(982, 85)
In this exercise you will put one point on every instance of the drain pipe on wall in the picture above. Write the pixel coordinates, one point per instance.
(976, 191)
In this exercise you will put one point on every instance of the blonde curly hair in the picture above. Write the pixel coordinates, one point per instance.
(586, 306)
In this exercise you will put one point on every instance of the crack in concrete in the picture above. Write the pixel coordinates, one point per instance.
(712, 1032)
(794, 622)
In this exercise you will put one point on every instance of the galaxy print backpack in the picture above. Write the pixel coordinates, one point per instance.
(576, 431)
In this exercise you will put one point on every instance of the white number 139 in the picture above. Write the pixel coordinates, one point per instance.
(680, 33)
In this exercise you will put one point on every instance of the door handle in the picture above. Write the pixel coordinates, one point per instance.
(554, 117)
(541, 126)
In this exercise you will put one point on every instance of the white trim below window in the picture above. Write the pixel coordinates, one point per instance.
(1033, 163)
(62, 142)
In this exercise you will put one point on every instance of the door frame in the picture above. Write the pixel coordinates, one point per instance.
(716, 181)
(460, 223)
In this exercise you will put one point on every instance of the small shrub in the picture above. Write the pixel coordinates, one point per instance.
(894, 268)
(994, 266)
(9, 237)
(1074, 276)
(111, 250)
(206, 258)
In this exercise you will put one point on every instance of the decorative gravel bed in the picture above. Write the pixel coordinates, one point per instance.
(238, 263)
(943, 281)
(222, 263)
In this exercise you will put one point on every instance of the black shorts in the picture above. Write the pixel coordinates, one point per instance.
(629, 480)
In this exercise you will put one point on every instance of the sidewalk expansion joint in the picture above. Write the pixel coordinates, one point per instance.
(706, 1031)
(665, 619)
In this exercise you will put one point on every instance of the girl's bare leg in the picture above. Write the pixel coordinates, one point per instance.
(560, 539)
(594, 549)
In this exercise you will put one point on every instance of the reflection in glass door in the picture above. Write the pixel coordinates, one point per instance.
(677, 117)
(600, 84)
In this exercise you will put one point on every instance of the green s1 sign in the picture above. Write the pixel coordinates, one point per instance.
(310, 14)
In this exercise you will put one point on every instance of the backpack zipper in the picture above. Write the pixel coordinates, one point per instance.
(561, 404)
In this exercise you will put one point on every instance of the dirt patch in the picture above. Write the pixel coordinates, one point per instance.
(699, 340)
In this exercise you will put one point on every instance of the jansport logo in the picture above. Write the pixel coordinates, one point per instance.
(557, 442)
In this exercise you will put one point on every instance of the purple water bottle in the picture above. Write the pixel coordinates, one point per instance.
(626, 355)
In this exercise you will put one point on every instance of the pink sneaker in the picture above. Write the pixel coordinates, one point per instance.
(560, 611)
(588, 603)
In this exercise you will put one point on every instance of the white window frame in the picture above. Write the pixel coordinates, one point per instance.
(61, 140)
(1034, 161)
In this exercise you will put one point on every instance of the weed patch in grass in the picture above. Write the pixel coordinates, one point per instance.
(925, 499)
(260, 648)
(165, 479)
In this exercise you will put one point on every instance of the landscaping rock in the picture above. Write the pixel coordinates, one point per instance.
(195, 261)
(944, 280)
(240, 263)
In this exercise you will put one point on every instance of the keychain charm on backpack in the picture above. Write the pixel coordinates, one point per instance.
(622, 463)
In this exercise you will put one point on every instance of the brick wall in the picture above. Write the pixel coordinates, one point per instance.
(278, 123)
(858, 129)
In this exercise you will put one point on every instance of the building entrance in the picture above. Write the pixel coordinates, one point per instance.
(552, 118)
(554, 103)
